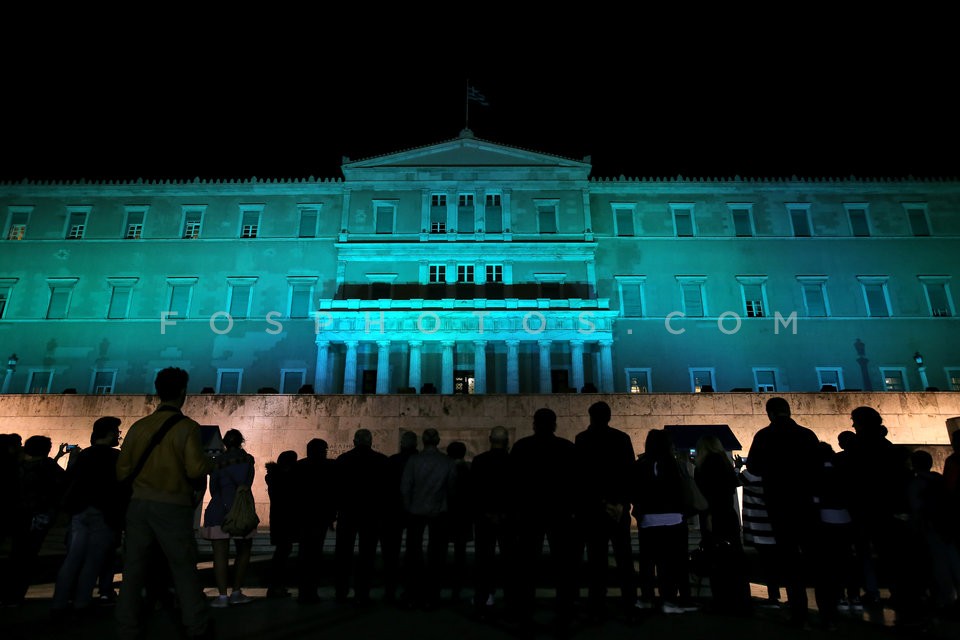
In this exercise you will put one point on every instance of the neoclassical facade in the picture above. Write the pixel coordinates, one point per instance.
(470, 266)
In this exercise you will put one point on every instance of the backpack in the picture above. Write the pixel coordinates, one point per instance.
(242, 517)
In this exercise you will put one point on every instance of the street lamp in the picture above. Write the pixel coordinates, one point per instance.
(11, 367)
(922, 370)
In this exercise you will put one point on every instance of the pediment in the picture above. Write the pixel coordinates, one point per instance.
(466, 151)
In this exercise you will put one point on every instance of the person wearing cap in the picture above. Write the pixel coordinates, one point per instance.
(93, 501)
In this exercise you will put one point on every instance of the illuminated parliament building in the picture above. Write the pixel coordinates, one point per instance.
(471, 266)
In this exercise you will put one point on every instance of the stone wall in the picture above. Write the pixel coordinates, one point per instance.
(274, 423)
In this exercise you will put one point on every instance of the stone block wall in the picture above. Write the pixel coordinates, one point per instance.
(275, 423)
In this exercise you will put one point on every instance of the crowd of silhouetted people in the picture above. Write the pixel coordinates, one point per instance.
(871, 515)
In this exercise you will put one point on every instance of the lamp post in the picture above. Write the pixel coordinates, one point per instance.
(922, 370)
(11, 367)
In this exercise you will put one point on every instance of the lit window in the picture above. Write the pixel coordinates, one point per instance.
(939, 301)
(894, 378)
(19, 217)
(133, 227)
(638, 380)
(192, 222)
(701, 380)
(77, 223)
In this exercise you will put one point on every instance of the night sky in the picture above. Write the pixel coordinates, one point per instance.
(854, 100)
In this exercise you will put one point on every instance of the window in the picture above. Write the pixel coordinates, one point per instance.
(493, 214)
(291, 380)
(17, 227)
(764, 380)
(181, 294)
(250, 222)
(800, 219)
(103, 381)
(192, 221)
(547, 216)
(40, 381)
(466, 213)
(691, 290)
(742, 215)
(438, 273)
(61, 292)
(76, 222)
(815, 295)
(494, 273)
(919, 222)
(937, 289)
(385, 213)
(623, 220)
(228, 380)
(309, 215)
(638, 381)
(683, 221)
(859, 225)
(301, 295)
(6, 287)
(875, 296)
(121, 290)
(953, 378)
(438, 213)
(465, 273)
(701, 379)
(133, 227)
(828, 377)
(631, 295)
(754, 294)
(240, 291)
(894, 378)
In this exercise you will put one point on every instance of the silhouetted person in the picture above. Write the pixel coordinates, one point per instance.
(315, 490)
(93, 501)
(605, 459)
(490, 473)
(10, 452)
(284, 511)
(395, 519)
(39, 486)
(543, 480)
(658, 489)
(834, 564)
(878, 474)
(784, 454)
(461, 516)
(717, 480)
(161, 511)
(426, 485)
(361, 481)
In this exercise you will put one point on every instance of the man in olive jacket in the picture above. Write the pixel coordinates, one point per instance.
(161, 510)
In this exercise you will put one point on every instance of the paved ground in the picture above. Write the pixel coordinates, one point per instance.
(280, 619)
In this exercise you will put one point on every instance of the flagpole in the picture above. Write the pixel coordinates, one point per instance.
(466, 117)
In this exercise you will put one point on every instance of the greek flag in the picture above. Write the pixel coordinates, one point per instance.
(476, 96)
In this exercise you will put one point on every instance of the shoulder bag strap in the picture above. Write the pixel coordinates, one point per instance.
(154, 441)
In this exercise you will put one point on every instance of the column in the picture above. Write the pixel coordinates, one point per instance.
(383, 366)
(576, 363)
(479, 366)
(546, 385)
(321, 373)
(606, 366)
(446, 384)
(415, 351)
(513, 366)
(350, 368)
